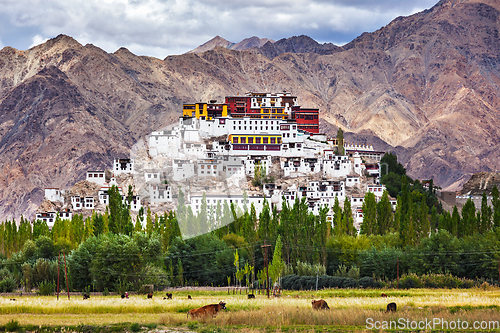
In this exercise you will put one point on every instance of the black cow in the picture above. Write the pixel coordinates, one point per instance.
(169, 295)
(251, 296)
(150, 295)
(391, 307)
(86, 296)
(189, 297)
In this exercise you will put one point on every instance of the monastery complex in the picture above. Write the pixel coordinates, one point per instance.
(251, 148)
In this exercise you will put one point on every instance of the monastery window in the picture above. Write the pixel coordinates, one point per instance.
(257, 140)
(208, 167)
(239, 128)
(273, 140)
(250, 140)
(267, 128)
(265, 140)
(294, 135)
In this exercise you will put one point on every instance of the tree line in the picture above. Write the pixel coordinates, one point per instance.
(224, 244)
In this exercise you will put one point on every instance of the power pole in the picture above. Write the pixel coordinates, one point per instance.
(265, 246)
(66, 273)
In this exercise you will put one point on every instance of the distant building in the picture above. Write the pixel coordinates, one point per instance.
(97, 177)
(123, 165)
(54, 195)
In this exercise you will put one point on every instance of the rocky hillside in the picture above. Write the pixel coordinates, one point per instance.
(247, 43)
(481, 182)
(425, 86)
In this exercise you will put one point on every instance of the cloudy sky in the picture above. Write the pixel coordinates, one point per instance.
(166, 27)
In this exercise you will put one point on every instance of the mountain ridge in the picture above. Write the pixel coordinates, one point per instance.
(426, 85)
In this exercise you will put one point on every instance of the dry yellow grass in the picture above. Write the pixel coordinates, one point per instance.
(260, 312)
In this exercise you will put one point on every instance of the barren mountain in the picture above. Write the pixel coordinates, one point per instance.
(247, 43)
(426, 85)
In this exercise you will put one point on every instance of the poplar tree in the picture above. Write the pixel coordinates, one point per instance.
(496, 206)
(455, 222)
(277, 264)
(115, 210)
(149, 222)
(469, 223)
(264, 222)
(347, 219)
(384, 214)
(369, 225)
(486, 215)
(337, 217)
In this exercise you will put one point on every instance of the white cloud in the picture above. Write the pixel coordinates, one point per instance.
(37, 40)
(163, 27)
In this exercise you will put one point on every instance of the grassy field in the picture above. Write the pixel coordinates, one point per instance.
(349, 310)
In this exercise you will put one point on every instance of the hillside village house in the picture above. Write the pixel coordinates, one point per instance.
(97, 177)
(123, 165)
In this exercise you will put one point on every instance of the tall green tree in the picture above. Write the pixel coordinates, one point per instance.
(496, 206)
(277, 264)
(115, 223)
(384, 214)
(369, 225)
(347, 219)
(469, 223)
(340, 141)
(486, 215)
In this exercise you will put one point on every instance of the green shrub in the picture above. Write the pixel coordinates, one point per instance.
(46, 288)
(8, 285)
(12, 326)
(135, 327)
(366, 282)
(350, 283)
(105, 292)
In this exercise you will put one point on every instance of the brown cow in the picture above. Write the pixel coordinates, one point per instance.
(207, 310)
(150, 295)
(384, 295)
(320, 305)
(391, 307)
(169, 295)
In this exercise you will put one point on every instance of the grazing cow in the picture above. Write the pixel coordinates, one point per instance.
(391, 307)
(169, 295)
(12, 299)
(320, 305)
(251, 296)
(86, 296)
(150, 295)
(384, 295)
(189, 297)
(207, 310)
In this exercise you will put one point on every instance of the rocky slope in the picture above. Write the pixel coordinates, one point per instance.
(247, 43)
(426, 85)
